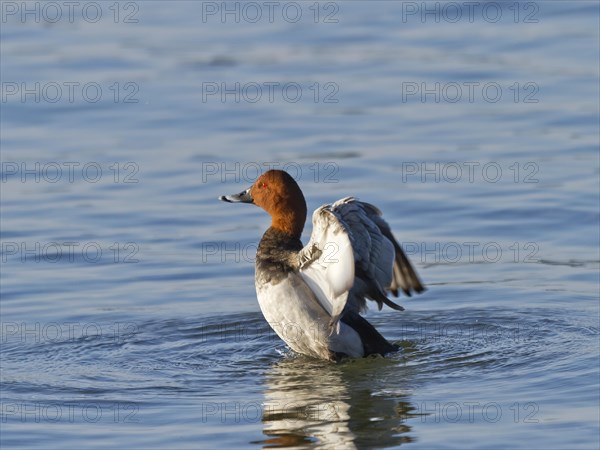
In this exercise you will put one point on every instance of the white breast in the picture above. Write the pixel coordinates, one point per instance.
(297, 317)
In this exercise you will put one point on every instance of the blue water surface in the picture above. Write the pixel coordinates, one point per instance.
(128, 311)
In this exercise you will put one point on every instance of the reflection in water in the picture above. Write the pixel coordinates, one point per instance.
(311, 403)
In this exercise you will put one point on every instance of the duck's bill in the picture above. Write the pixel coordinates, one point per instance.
(242, 197)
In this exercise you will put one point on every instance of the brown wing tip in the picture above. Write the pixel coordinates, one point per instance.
(417, 289)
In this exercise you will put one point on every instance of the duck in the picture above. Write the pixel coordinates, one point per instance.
(313, 296)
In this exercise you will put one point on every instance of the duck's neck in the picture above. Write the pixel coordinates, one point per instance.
(290, 222)
(276, 256)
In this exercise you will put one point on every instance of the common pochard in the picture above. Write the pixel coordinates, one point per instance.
(312, 295)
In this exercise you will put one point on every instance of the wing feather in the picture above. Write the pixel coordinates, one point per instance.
(352, 256)
(327, 262)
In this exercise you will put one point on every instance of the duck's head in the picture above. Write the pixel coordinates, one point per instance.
(278, 194)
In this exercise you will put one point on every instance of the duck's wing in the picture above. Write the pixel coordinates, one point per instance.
(327, 262)
(353, 256)
(404, 275)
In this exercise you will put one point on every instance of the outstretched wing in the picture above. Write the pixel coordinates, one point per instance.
(327, 262)
(404, 276)
(353, 256)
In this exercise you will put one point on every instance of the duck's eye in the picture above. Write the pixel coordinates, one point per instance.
(263, 185)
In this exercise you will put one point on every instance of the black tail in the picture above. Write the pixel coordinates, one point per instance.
(373, 342)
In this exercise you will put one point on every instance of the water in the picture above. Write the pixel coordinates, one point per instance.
(128, 309)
